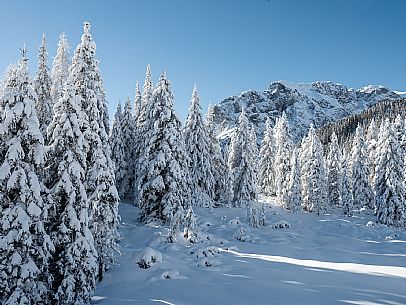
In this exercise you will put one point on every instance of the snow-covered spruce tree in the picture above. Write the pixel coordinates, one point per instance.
(284, 148)
(128, 126)
(400, 133)
(210, 121)
(42, 86)
(295, 199)
(197, 144)
(262, 216)
(146, 98)
(117, 150)
(221, 194)
(253, 213)
(359, 171)
(137, 101)
(241, 165)
(389, 179)
(346, 194)
(164, 183)
(334, 172)
(371, 141)
(74, 263)
(254, 145)
(313, 174)
(141, 130)
(402, 142)
(25, 246)
(60, 68)
(100, 185)
(266, 169)
(399, 128)
(9, 77)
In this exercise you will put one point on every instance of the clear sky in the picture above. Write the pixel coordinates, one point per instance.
(225, 46)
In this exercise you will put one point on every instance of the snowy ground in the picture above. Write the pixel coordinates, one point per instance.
(319, 260)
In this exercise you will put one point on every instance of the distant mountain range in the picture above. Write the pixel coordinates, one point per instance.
(319, 103)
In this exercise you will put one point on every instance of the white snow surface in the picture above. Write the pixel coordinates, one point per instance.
(401, 93)
(327, 259)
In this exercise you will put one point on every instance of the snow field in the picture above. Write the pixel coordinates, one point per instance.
(327, 259)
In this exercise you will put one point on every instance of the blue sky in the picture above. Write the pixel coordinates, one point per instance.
(225, 46)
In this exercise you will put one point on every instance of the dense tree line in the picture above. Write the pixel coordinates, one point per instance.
(345, 128)
(59, 203)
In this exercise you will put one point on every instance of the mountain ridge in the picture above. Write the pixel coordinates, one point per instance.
(318, 103)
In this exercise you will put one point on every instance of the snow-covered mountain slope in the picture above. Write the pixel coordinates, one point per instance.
(401, 93)
(327, 259)
(318, 103)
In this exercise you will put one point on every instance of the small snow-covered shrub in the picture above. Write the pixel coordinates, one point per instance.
(149, 257)
(206, 252)
(370, 224)
(236, 221)
(281, 224)
(232, 248)
(208, 262)
(241, 234)
(392, 236)
(172, 274)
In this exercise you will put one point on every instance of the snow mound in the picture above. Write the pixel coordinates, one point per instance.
(235, 222)
(167, 275)
(209, 262)
(206, 252)
(281, 224)
(172, 274)
(392, 236)
(149, 257)
(370, 224)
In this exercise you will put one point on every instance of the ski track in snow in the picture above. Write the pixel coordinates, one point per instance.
(328, 259)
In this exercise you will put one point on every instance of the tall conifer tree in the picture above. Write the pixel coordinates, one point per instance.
(197, 144)
(42, 86)
(117, 150)
(60, 68)
(25, 246)
(314, 176)
(359, 165)
(128, 131)
(164, 183)
(266, 168)
(389, 179)
(284, 149)
(371, 141)
(241, 165)
(74, 263)
(100, 181)
(334, 172)
(137, 101)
